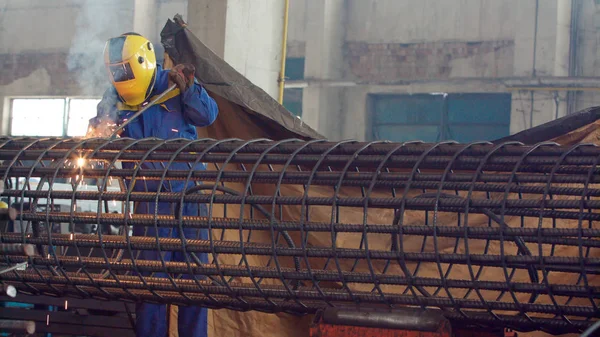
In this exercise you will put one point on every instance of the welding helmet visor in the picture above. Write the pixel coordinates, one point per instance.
(131, 64)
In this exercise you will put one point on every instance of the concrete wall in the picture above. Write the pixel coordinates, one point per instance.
(54, 48)
(246, 34)
(50, 48)
(405, 46)
(168, 9)
(407, 21)
(386, 46)
(588, 51)
(60, 39)
(296, 43)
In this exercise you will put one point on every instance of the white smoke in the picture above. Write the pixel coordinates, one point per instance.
(97, 21)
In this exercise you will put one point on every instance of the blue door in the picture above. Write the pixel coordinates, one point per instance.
(437, 117)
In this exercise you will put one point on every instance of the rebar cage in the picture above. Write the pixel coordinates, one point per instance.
(489, 235)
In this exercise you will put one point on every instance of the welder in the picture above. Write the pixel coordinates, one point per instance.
(136, 80)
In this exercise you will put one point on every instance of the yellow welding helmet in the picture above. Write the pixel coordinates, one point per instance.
(131, 64)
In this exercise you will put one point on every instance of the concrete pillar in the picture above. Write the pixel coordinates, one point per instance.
(321, 107)
(144, 18)
(562, 51)
(563, 38)
(534, 48)
(247, 34)
(524, 37)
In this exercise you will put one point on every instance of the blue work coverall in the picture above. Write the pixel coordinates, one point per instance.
(177, 117)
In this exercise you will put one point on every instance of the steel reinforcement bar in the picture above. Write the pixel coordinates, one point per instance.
(489, 234)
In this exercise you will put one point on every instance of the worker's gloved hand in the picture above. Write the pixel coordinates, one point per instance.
(183, 76)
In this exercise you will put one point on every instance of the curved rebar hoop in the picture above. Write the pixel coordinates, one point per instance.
(488, 234)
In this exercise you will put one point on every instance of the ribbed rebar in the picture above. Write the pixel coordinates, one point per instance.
(498, 235)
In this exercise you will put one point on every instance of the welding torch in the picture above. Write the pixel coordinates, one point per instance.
(137, 114)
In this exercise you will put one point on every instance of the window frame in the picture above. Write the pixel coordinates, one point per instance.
(65, 114)
(294, 71)
(444, 125)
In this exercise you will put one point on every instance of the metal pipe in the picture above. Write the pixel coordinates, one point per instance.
(291, 146)
(465, 316)
(9, 290)
(399, 319)
(18, 326)
(457, 182)
(536, 235)
(533, 164)
(269, 291)
(283, 51)
(16, 249)
(204, 270)
(250, 248)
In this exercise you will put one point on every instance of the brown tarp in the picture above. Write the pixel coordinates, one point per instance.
(246, 112)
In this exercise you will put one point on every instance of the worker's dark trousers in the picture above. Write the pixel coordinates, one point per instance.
(151, 319)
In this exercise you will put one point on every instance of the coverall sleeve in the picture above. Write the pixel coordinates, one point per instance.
(199, 109)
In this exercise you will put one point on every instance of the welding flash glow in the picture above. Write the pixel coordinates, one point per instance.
(80, 162)
(71, 236)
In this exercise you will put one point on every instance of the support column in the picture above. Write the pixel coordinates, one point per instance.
(563, 38)
(144, 18)
(562, 51)
(321, 106)
(247, 34)
(534, 37)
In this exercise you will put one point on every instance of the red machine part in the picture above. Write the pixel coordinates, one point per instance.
(332, 330)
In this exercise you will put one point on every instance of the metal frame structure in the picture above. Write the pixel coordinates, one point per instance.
(482, 235)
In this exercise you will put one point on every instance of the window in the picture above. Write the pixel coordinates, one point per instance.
(294, 68)
(292, 98)
(51, 117)
(438, 117)
(79, 113)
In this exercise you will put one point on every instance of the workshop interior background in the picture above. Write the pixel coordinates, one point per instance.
(397, 70)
